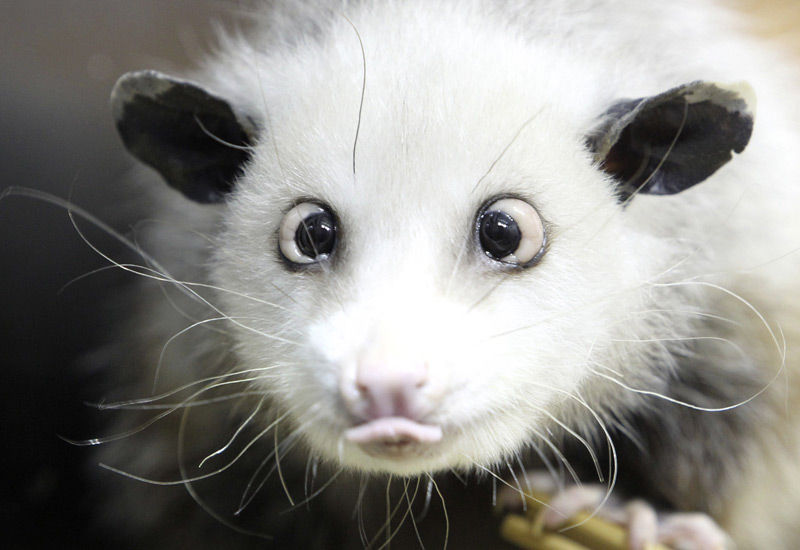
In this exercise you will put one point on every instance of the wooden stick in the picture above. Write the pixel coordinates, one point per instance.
(520, 530)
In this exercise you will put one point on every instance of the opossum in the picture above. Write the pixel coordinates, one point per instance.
(416, 241)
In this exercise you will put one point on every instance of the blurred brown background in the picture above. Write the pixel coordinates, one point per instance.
(58, 62)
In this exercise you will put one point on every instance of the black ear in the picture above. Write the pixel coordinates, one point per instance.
(669, 142)
(193, 138)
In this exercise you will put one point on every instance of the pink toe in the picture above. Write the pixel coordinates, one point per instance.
(643, 525)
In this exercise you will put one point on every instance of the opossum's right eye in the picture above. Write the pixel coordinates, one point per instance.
(307, 233)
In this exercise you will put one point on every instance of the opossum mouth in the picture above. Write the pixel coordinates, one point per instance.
(394, 437)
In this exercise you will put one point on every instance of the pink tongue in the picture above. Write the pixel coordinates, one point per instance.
(394, 429)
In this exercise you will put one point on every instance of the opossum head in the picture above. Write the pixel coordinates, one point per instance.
(426, 255)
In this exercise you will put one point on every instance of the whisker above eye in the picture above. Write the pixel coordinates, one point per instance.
(505, 149)
(363, 89)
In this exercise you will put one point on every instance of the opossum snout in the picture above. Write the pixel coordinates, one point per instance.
(389, 388)
(388, 373)
(389, 397)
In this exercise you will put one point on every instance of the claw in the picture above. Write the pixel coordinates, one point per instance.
(572, 500)
(642, 525)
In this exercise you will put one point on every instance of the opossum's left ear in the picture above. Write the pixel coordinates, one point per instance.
(666, 143)
(196, 140)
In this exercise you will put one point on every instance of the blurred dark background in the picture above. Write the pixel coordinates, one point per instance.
(58, 62)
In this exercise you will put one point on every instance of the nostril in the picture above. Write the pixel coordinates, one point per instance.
(388, 375)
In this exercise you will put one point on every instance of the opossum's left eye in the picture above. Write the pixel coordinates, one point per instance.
(307, 233)
(510, 231)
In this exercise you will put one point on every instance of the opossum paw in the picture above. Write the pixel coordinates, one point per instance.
(692, 531)
(646, 526)
(565, 502)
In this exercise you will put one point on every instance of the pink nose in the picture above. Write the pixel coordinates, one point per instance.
(387, 389)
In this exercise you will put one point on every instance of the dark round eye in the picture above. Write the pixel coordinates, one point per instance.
(510, 231)
(308, 233)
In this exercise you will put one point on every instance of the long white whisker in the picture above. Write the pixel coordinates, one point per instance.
(305, 478)
(518, 458)
(206, 131)
(664, 158)
(687, 312)
(641, 186)
(278, 467)
(580, 438)
(402, 521)
(200, 477)
(175, 337)
(652, 281)
(519, 486)
(289, 443)
(444, 510)
(73, 209)
(193, 404)
(740, 299)
(250, 494)
(386, 526)
(458, 477)
(560, 456)
(317, 492)
(611, 449)
(74, 280)
(503, 481)
(161, 287)
(359, 511)
(153, 420)
(456, 265)
(489, 292)
(677, 401)
(238, 431)
(427, 504)
(506, 148)
(681, 339)
(193, 493)
(411, 513)
(128, 403)
(557, 479)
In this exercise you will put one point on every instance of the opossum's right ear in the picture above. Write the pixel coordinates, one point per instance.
(196, 140)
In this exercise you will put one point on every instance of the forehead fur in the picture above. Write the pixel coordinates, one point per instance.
(433, 120)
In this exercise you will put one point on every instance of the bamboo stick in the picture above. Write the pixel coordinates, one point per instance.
(593, 533)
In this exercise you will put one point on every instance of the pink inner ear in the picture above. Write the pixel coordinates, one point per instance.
(394, 430)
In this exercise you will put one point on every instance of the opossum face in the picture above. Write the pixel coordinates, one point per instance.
(431, 317)
(424, 275)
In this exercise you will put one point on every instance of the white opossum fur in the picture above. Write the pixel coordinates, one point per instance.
(690, 295)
